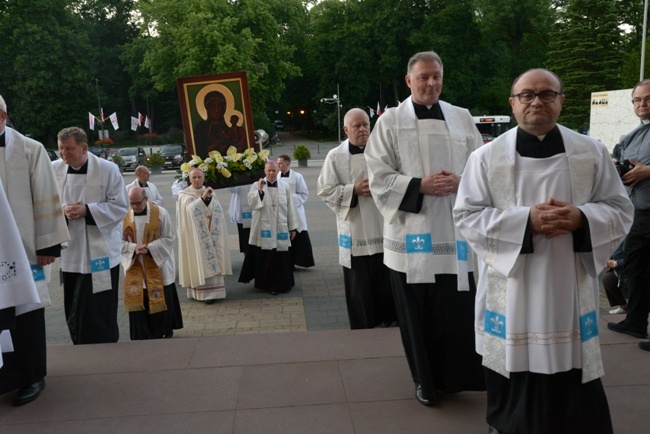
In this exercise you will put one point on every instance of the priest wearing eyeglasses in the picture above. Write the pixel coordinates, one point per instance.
(543, 208)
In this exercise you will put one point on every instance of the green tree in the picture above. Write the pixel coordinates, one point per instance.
(45, 80)
(197, 37)
(585, 51)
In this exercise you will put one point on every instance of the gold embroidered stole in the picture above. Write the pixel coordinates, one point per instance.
(149, 272)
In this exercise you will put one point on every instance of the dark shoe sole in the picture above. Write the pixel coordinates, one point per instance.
(645, 346)
(26, 400)
(618, 328)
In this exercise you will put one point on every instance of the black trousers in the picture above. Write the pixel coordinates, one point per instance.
(530, 403)
(28, 362)
(91, 318)
(637, 270)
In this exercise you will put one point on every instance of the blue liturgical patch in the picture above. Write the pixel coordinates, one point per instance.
(345, 241)
(38, 273)
(495, 324)
(247, 215)
(283, 235)
(588, 326)
(99, 264)
(418, 243)
(266, 234)
(461, 250)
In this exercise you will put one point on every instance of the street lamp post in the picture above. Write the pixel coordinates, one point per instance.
(336, 99)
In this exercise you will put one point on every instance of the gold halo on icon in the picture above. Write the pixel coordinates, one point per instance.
(230, 103)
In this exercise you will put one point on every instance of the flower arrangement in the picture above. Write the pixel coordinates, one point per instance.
(104, 142)
(222, 169)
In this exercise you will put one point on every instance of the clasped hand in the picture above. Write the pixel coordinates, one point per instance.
(555, 217)
(74, 210)
(442, 183)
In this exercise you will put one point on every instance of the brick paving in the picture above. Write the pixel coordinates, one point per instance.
(317, 302)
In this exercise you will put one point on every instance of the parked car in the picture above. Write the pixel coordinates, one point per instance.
(108, 153)
(53, 155)
(133, 157)
(174, 155)
(279, 125)
(487, 138)
(96, 150)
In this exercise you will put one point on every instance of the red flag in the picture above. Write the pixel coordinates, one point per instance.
(379, 112)
(140, 119)
(101, 113)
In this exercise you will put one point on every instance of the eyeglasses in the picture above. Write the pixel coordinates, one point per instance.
(638, 100)
(138, 204)
(526, 97)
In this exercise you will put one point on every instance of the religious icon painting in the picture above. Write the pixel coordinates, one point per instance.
(216, 113)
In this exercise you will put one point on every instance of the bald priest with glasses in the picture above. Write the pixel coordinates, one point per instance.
(543, 208)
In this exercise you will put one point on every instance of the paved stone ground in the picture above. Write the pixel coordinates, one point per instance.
(317, 302)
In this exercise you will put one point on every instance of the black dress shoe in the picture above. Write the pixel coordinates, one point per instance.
(622, 328)
(420, 396)
(274, 292)
(211, 301)
(29, 393)
(170, 335)
(644, 346)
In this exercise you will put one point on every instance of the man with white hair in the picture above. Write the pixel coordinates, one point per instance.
(203, 254)
(142, 174)
(30, 186)
(343, 185)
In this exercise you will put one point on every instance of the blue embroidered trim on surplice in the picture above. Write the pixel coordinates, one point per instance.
(247, 215)
(418, 243)
(588, 326)
(461, 250)
(345, 241)
(283, 235)
(265, 233)
(38, 273)
(495, 324)
(99, 264)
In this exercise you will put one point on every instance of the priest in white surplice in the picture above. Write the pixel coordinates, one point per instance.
(241, 213)
(150, 295)
(415, 155)
(543, 207)
(94, 202)
(30, 187)
(301, 251)
(343, 185)
(275, 220)
(203, 254)
(142, 175)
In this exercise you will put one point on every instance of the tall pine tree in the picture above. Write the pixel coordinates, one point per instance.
(585, 51)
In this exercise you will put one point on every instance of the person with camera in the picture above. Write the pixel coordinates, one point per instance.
(635, 174)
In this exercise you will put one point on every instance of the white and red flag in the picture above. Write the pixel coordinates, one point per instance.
(134, 123)
(372, 112)
(91, 121)
(113, 119)
(147, 122)
(379, 112)
(101, 114)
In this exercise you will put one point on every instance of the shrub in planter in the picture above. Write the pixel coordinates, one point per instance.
(301, 152)
(155, 160)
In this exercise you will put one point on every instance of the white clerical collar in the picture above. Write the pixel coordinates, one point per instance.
(645, 121)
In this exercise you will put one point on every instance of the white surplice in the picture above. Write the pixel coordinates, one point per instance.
(31, 190)
(203, 253)
(102, 190)
(541, 326)
(401, 148)
(274, 216)
(17, 286)
(240, 211)
(152, 192)
(300, 195)
(161, 249)
(360, 228)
